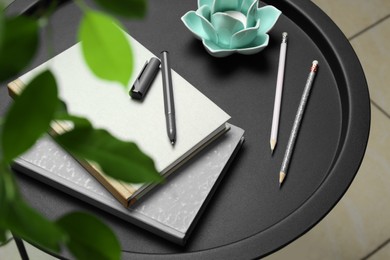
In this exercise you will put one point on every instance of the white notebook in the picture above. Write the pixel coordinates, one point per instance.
(108, 105)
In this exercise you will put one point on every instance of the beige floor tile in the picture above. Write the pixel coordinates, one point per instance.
(382, 254)
(373, 49)
(361, 220)
(352, 16)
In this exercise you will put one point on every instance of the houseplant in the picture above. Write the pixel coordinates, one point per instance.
(19, 130)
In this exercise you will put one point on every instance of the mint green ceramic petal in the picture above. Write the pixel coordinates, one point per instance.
(268, 16)
(199, 26)
(251, 15)
(244, 37)
(209, 3)
(226, 5)
(225, 26)
(260, 42)
(205, 12)
(246, 4)
(215, 50)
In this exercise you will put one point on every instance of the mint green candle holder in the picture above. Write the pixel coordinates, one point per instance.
(229, 26)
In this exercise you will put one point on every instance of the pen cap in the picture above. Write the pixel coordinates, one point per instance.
(145, 79)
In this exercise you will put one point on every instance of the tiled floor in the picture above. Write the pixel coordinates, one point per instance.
(359, 226)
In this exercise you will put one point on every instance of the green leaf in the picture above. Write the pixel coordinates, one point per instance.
(29, 116)
(8, 189)
(62, 108)
(24, 221)
(127, 8)
(118, 159)
(79, 122)
(1, 146)
(105, 48)
(89, 237)
(3, 237)
(20, 41)
(3, 200)
(1, 29)
(29, 225)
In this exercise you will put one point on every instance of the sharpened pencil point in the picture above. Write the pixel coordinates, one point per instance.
(282, 175)
(273, 144)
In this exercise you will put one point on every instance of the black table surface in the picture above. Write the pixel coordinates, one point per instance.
(249, 215)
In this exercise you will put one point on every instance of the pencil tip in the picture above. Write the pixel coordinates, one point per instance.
(273, 144)
(282, 175)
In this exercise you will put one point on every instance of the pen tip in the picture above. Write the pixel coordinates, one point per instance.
(172, 142)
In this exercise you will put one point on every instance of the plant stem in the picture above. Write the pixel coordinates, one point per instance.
(49, 39)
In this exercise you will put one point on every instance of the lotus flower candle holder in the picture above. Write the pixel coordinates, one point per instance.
(229, 26)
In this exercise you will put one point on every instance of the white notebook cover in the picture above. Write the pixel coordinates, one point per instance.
(171, 210)
(107, 105)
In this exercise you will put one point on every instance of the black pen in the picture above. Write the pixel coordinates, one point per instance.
(169, 105)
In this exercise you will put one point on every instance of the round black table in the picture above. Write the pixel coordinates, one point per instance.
(249, 216)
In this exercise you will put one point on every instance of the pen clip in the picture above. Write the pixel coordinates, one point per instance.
(136, 83)
(145, 78)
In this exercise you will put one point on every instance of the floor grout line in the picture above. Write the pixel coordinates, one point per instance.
(368, 27)
(380, 109)
(377, 249)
